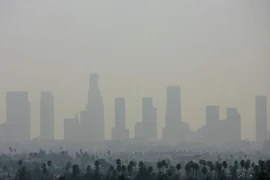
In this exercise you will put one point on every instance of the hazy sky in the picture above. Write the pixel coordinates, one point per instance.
(218, 51)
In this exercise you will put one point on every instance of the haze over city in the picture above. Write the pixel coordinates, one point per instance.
(216, 51)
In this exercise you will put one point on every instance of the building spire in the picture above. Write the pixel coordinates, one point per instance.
(93, 81)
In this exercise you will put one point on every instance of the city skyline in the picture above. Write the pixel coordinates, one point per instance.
(78, 128)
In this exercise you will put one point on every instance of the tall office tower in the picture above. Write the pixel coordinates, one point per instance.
(46, 116)
(71, 129)
(92, 118)
(119, 132)
(261, 118)
(18, 115)
(233, 128)
(212, 114)
(173, 114)
(149, 119)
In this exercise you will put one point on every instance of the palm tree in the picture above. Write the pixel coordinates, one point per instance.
(225, 166)
(247, 166)
(123, 169)
(75, 171)
(204, 171)
(268, 166)
(49, 163)
(97, 164)
(219, 170)
(129, 168)
(256, 169)
(88, 172)
(262, 165)
(159, 166)
(242, 164)
(20, 163)
(24, 174)
(118, 162)
(195, 167)
(178, 167)
(188, 168)
(10, 149)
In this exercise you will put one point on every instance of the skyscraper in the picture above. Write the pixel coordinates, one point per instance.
(212, 114)
(234, 124)
(119, 132)
(18, 115)
(92, 118)
(221, 131)
(120, 112)
(173, 114)
(149, 119)
(261, 118)
(147, 129)
(46, 116)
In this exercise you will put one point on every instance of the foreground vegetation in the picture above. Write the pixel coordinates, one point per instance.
(127, 166)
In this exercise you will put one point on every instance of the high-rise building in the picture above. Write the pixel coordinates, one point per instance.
(46, 116)
(147, 129)
(120, 112)
(221, 131)
(119, 132)
(173, 114)
(149, 119)
(18, 115)
(234, 124)
(92, 118)
(71, 129)
(212, 114)
(261, 118)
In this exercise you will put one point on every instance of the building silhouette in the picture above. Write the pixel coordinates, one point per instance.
(71, 129)
(18, 116)
(234, 124)
(149, 119)
(173, 129)
(92, 118)
(212, 114)
(147, 129)
(221, 131)
(119, 132)
(46, 116)
(261, 118)
(6, 132)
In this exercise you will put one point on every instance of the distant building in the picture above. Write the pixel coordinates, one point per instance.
(119, 132)
(147, 129)
(175, 131)
(46, 116)
(234, 124)
(261, 118)
(71, 129)
(221, 131)
(92, 118)
(266, 144)
(149, 119)
(6, 132)
(212, 114)
(18, 115)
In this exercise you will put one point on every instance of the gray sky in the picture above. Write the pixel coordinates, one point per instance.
(218, 51)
